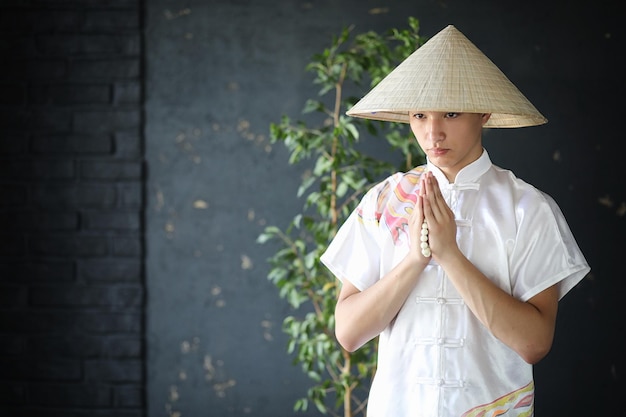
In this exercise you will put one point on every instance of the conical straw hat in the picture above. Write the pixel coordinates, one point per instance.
(448, 73)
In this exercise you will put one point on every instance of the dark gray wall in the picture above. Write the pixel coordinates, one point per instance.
(215, 73)
(219, 72)
(73, 196)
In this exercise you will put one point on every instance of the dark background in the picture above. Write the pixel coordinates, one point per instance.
(136, 174)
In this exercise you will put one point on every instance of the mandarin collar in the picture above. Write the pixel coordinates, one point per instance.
(467, 174)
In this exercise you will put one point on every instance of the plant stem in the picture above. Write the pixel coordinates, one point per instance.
(333, 174)
(347, 395)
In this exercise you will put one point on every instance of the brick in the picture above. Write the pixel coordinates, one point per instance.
(75, 412)
(11, 46)
(81, 346)
(13, 94)
(13, 297)
(70, 322)
(112, 220)
(17, 21)
(54, 196)
(106, 170)
(37, 21)
(65, 346)
(106, 120)
(75, 395)
(74, 196)
(99, 144)
(12, 195)
(34, 369)
(105, 69)
(128, 144)
(12, 393)
(111, 370)
(128, 396)
(124, 347)
(68, 296)
(127, 246)
(38, 221)
(12, 245)
(85, 44)
(110, 271)
(127, 297)
(69, 245)
(15, 118)
(13, 144)
(110, 20)
(125, 322)
(64, 94)
(37, 169)
(18, 47)
(130, 195)
(37, 322)
(127, 4)
(11, 345)
(127, 92)
(87, 296)
(51, 119)
(96, 196)
(37, 271)
(33, 69)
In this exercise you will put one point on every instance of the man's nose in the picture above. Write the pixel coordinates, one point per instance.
(434, 131)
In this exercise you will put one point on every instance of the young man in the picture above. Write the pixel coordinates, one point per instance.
(457, 265)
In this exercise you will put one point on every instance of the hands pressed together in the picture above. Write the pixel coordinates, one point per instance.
(432, 207)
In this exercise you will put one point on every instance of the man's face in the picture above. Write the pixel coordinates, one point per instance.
(450, 140)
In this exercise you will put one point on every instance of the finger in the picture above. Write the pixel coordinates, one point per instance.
(434, 197)
(422, 189)
(419, 203)
(429, 200)
(417, 215)
(429, 214)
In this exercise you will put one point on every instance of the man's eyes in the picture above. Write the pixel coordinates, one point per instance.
(449, 115)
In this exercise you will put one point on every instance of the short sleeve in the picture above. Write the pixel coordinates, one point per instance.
(545, 252)
(354, 253)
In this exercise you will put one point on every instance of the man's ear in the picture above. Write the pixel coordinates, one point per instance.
(485, 117)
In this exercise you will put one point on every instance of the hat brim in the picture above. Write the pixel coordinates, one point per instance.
(450, 74)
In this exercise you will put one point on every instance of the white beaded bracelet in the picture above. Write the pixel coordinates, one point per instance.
(424, 239)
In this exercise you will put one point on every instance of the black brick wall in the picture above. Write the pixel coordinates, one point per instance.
(71, 208)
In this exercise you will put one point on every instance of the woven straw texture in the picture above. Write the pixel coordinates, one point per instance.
(448, 73)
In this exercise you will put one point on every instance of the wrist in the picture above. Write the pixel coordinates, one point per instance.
(416, 259)
(450, 257)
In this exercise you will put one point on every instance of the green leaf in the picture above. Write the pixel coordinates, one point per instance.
(353, 130)
(264, 237)
(342, 189)
(312, 106)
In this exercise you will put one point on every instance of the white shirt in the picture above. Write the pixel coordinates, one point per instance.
(436, 359)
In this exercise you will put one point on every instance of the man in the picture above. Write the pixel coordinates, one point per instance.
(457, 265)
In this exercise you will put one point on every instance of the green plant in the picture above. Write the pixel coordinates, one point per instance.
(340, 175)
